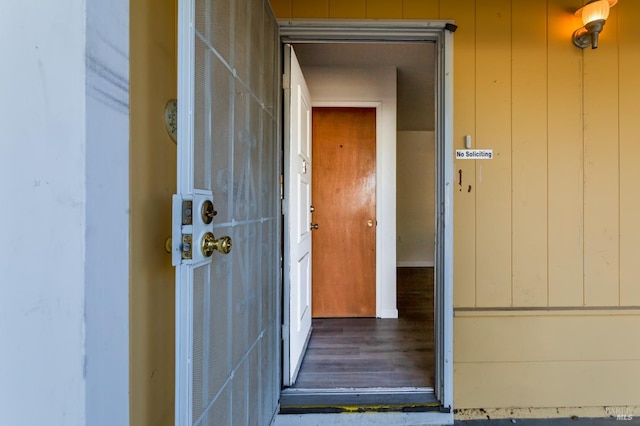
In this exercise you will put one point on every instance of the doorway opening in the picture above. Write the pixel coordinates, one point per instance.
(398, 355)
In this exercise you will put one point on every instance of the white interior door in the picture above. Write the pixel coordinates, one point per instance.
(298, 227)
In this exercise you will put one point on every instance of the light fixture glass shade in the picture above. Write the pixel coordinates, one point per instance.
(594, 11)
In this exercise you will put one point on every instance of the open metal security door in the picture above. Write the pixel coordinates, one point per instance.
(225, 235)
(297, 289)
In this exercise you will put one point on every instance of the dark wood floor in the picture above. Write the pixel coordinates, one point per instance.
(371, 352)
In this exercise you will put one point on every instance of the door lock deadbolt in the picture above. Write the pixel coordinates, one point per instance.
(208, 212)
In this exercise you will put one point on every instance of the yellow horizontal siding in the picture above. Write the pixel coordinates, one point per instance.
(357, 9)
(384, 9)
(421, 9)
(549, 337)
(547, 384)
(281, 8)
(310, 9)
(559, 358)
(341, 9)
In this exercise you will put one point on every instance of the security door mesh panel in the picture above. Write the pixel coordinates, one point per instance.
(235, 362)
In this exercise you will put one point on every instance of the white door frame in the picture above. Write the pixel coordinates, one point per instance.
(440, 33)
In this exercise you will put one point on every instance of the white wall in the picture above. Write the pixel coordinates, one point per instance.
(51, 222)
(342, 86)
(107, 213)
(42, 180)
(416, 198)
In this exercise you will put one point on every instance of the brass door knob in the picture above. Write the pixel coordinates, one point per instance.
(211, 244)
(370, 223)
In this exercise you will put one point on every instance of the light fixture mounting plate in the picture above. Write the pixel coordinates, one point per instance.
(171, 119)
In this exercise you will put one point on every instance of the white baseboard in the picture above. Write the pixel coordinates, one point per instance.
(415, 264)
(389, 313)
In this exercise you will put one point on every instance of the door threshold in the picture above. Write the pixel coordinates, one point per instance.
(365, 419)
(358, 400)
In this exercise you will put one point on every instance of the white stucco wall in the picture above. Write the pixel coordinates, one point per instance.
(349, 86)
(42, 179)
(53, 170)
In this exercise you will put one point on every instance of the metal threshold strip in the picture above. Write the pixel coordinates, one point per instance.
(358, 400)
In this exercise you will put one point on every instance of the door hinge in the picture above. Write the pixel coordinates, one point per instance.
(286, 81)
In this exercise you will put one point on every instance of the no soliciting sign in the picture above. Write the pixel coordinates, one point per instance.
(474, 154)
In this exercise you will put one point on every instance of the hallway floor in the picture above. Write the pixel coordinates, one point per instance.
(372, 352)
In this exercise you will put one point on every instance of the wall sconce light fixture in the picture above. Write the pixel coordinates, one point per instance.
(594, 15)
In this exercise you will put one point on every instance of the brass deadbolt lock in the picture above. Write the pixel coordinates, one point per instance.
(210, 244)
(208, 212)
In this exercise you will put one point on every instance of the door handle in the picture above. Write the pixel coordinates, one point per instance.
(314, 226)
(370, 223)
(211, 244)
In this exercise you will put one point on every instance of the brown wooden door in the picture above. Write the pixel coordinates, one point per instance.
(344, 197)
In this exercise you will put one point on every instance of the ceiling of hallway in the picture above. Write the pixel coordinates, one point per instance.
(415, 63)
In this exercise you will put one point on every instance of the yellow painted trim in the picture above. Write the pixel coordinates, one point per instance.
(546, 312)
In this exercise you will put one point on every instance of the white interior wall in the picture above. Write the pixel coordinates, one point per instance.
(64, 179)
(416, 198)
(352, 85)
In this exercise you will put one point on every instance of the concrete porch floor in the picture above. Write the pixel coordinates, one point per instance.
(425, 419)
(363, 419)
(547, 422)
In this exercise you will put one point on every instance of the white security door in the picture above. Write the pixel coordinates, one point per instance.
(226, 215)
(298, 226)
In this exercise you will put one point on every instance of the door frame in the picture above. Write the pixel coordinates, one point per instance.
(440, 33)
